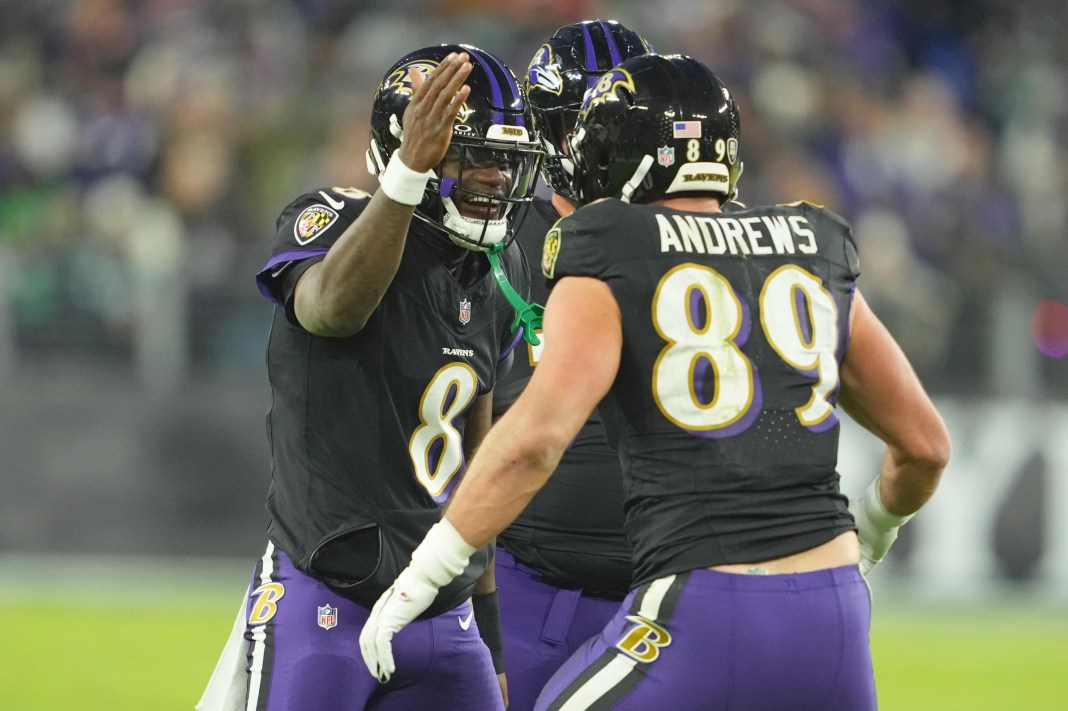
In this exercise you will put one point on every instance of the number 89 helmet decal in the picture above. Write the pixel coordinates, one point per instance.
(491, 167)
(560, 73)
(656, 126)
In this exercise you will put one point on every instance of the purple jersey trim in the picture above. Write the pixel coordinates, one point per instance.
(511, 346)
(292, 255)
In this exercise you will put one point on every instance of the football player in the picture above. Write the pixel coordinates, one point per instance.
(384, 351)
(564, 565)
(719, 346)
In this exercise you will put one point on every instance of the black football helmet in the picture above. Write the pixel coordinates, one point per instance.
(656, 126)
(490, 130)
(560, 73)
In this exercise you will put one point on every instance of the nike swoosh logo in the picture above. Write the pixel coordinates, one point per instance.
(465, 623)
(336, 204)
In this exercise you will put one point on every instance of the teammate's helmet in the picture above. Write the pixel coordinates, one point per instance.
(656, 126)
(560, 73)
(490, 129)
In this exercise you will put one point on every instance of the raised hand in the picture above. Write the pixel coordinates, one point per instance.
(431, 113)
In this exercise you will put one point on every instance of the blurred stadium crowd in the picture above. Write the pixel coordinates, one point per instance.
(147, 147)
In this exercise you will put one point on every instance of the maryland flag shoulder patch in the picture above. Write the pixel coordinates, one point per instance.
(312, 222)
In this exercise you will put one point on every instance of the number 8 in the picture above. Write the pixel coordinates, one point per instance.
(450, 392)
(693, 150)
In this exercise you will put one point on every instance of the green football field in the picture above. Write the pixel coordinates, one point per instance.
(124, 645)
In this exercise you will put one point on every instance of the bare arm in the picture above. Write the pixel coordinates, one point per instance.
(337, 296)
(882, 393)
(583, 337)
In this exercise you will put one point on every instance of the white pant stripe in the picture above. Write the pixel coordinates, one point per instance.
(600, 684)
(259, 637)
(654, 597)
(617, 670)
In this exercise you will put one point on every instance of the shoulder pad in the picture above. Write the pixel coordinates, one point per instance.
(801, 203)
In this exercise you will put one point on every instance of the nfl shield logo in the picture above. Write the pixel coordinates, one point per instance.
(327, 617)
(665, 156)
(465, 312)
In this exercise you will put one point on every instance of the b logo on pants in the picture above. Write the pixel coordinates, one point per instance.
(643, 642)
(267, 603)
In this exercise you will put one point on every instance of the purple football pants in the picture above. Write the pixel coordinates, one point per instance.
(304, 652)
(543, 625)
(710, 641)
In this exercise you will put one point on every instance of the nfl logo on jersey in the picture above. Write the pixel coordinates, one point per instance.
(465, 312)
(327, 616)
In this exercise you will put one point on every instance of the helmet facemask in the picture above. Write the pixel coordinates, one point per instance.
(484, 186)
(557, 167)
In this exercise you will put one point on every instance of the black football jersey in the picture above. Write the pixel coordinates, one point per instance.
(366, 430)
(724, 408)
(572, 531)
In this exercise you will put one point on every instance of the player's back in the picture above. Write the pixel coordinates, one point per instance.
(724, 405)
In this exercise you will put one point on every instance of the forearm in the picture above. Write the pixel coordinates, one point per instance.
(881, 392)
(907, 483)
(514, 462)
(494, 495)
(478, 426)
(340, 295)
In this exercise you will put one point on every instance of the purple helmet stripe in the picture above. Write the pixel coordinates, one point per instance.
(513, 85)
(591, 57)
(495, 85)
(613, 48)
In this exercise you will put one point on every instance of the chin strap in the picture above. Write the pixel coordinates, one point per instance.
(529, 316)
(635, 180)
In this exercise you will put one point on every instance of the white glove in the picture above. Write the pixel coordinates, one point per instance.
(876, 527)
(441, 556)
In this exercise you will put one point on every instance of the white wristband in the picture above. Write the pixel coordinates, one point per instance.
(877, 513)
(876, 527)
(402, 184)
(443, 554)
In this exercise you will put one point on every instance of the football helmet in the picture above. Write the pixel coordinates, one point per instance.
(560, 73)
(656, 126)
(492, 164)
